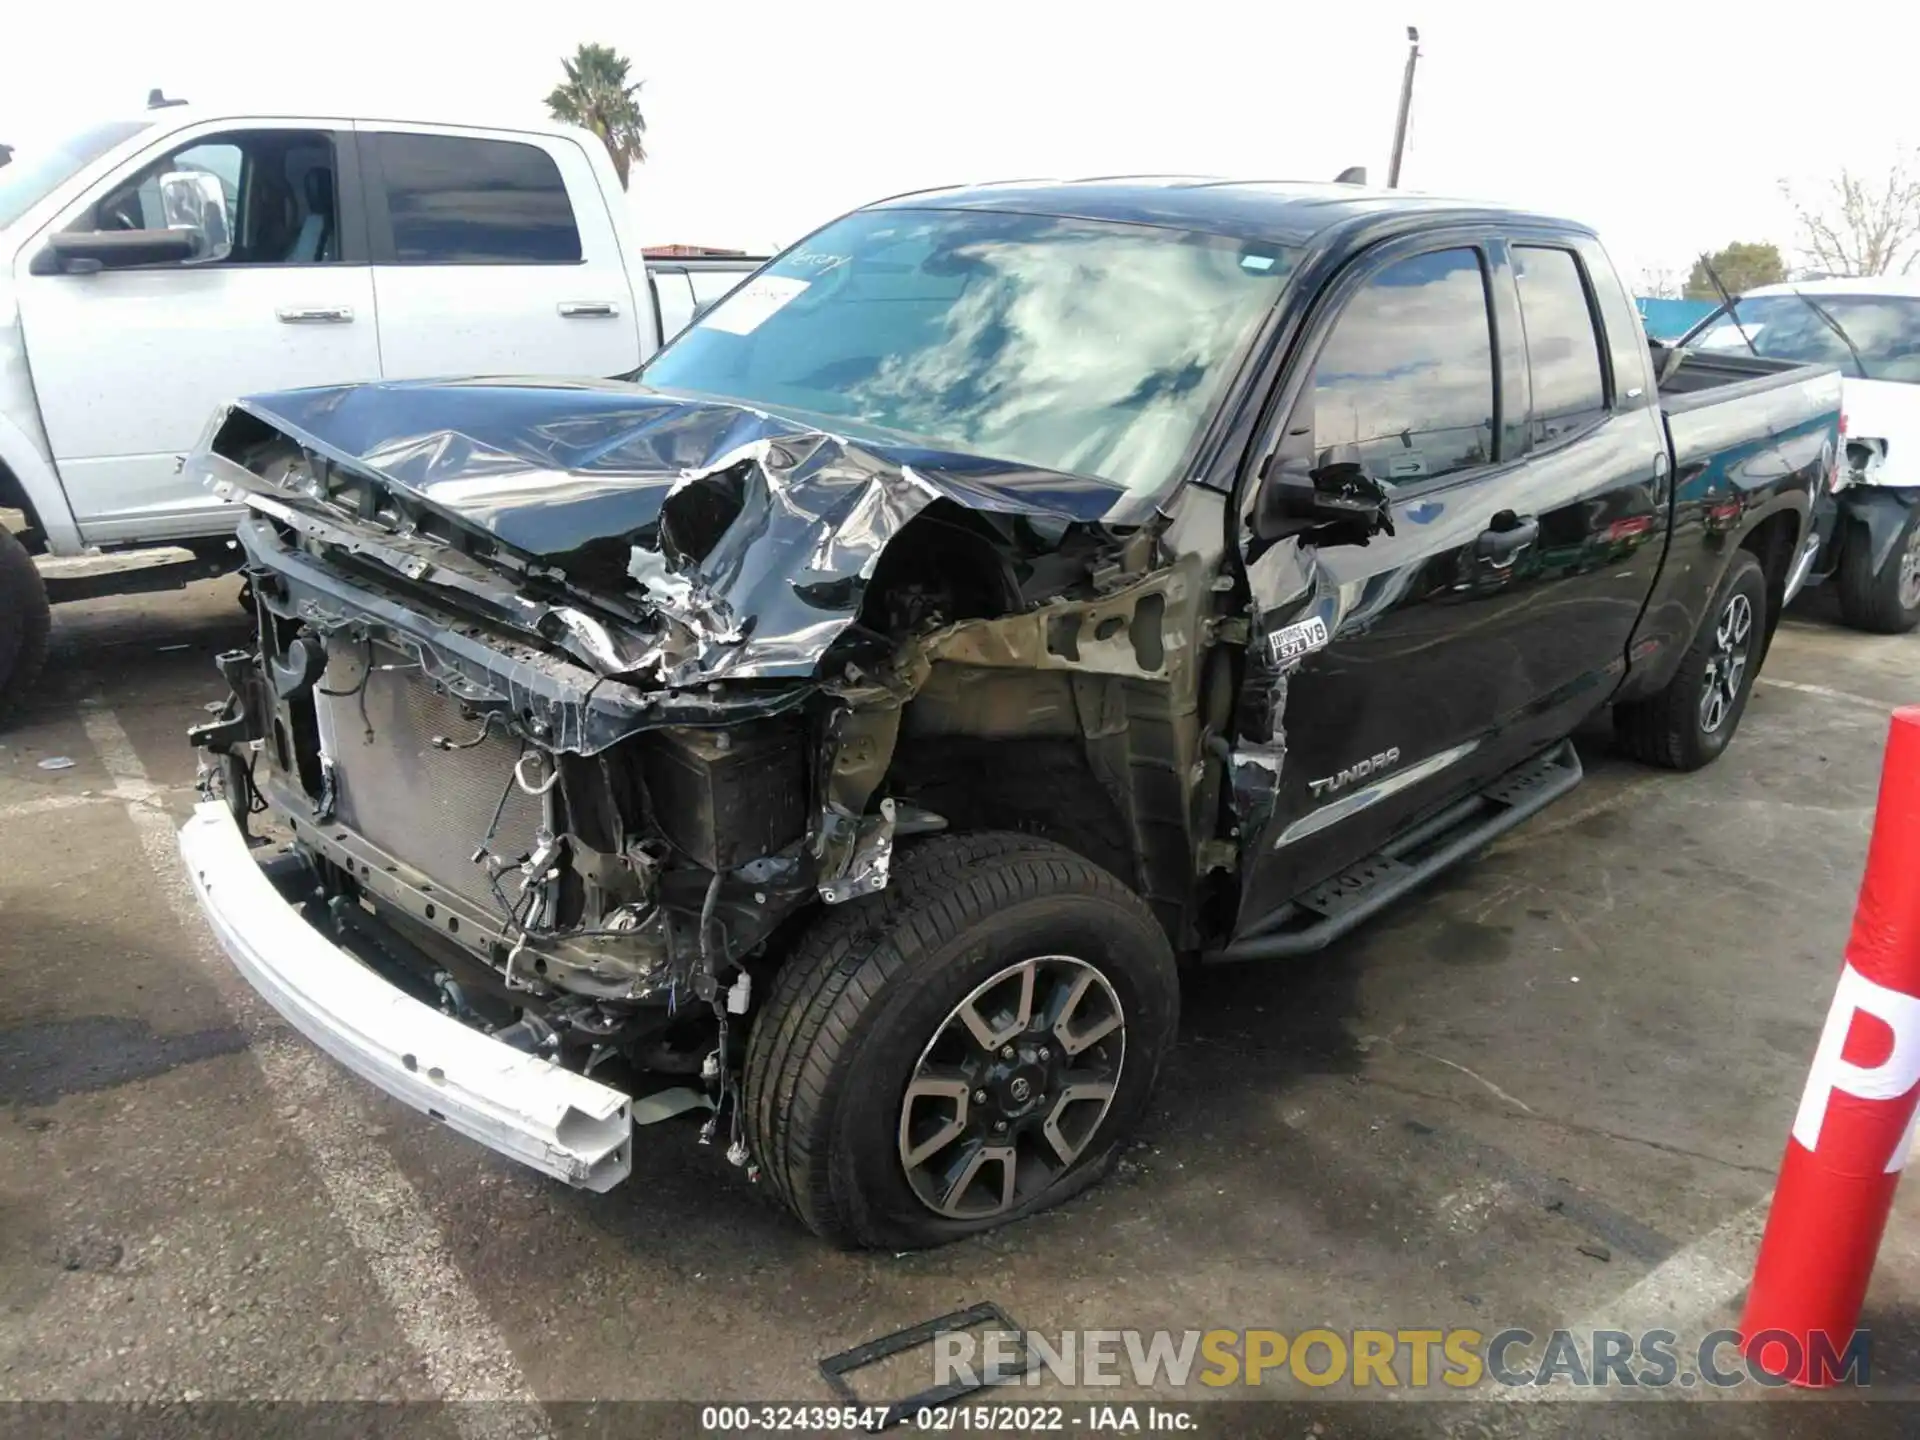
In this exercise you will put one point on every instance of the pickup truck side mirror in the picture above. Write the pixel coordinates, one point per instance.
(1333, 503)
(194, 205)
(195, 202)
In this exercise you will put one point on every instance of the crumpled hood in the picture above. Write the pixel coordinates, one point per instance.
(751, 535)
(548, 466)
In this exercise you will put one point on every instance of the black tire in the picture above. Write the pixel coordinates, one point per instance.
(856, 1006)
(1871, 600)
(1670, 729)
(24, 623)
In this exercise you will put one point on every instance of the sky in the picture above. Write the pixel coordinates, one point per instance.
(1668, 126)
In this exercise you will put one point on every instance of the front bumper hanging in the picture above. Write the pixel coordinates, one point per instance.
(531, 1109)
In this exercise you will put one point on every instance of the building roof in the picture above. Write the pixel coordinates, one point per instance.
(677, 251)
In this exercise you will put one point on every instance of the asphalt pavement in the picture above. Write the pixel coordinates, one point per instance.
(1550, 1091)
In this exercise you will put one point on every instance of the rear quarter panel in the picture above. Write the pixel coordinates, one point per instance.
(1742, 454)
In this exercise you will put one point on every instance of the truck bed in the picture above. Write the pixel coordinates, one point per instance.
(1688, 379)
(1711, 399)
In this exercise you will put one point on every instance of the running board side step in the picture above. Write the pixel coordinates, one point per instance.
(1336, 906)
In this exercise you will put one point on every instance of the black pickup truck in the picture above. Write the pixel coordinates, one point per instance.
(839, 733)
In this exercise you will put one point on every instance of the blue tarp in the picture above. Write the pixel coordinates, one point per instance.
(1670, 319)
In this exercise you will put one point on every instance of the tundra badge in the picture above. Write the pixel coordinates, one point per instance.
(1359, 770)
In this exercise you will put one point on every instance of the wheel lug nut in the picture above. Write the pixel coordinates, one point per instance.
(979, 1097)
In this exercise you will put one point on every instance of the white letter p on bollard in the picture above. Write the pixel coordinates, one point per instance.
(1889, 1080)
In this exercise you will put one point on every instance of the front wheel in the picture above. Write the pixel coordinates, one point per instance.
(1689, 723)
(25, 622)
(968, 1047)
(1885, 601)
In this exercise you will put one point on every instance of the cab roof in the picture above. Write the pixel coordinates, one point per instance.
(178, 114)
(1288, 212)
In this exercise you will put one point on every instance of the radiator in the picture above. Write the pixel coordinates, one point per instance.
(431, 808)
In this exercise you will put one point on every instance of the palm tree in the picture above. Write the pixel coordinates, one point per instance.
(597, 97)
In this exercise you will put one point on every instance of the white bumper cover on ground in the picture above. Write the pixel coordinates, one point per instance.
(563, 1124)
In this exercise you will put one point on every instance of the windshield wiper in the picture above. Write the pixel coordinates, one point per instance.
(1834, 325)
(1733, 310)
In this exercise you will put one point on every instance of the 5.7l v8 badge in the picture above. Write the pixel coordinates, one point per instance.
(1290, 642)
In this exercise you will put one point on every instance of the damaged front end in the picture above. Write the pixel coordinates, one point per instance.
(572, 700)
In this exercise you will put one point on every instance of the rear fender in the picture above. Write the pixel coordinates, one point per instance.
(1685, 610)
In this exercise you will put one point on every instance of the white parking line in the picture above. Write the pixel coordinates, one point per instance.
(139, 792)
(466, 1357)
(1690, 1284)
(47, 804)
(1827, 692)
(1679, 1294)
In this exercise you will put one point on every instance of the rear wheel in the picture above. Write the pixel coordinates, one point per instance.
(24, 623)
(1885, 601)
(967, 1047)
(1689, 723)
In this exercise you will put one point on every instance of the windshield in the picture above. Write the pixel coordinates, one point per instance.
(36, 170)
(1070, 345)
(1885, 329)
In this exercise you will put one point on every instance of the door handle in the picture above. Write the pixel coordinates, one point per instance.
(316, 315)
(587, 309)
(1500, 544)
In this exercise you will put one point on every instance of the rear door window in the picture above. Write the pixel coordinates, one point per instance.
(676, 298)
(1563, 348)
(453, 200)
(1406, 378)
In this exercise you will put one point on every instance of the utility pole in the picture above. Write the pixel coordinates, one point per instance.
(1406, 106)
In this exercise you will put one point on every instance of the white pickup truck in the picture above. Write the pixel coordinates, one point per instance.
(1868, 524)
(152, 268)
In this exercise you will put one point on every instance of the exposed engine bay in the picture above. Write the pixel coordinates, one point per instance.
(573, 719)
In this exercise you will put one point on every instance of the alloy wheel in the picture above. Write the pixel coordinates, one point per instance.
(1910, 571)
(1727, 665)
(1012, 1087)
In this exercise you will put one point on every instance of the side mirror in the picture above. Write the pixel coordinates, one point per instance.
(194, 205)
(195, 202)
(1334, 503)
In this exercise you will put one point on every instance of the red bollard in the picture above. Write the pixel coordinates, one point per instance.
(1857, 1118)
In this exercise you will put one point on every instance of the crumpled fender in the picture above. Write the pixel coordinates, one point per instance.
(1883, 511)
